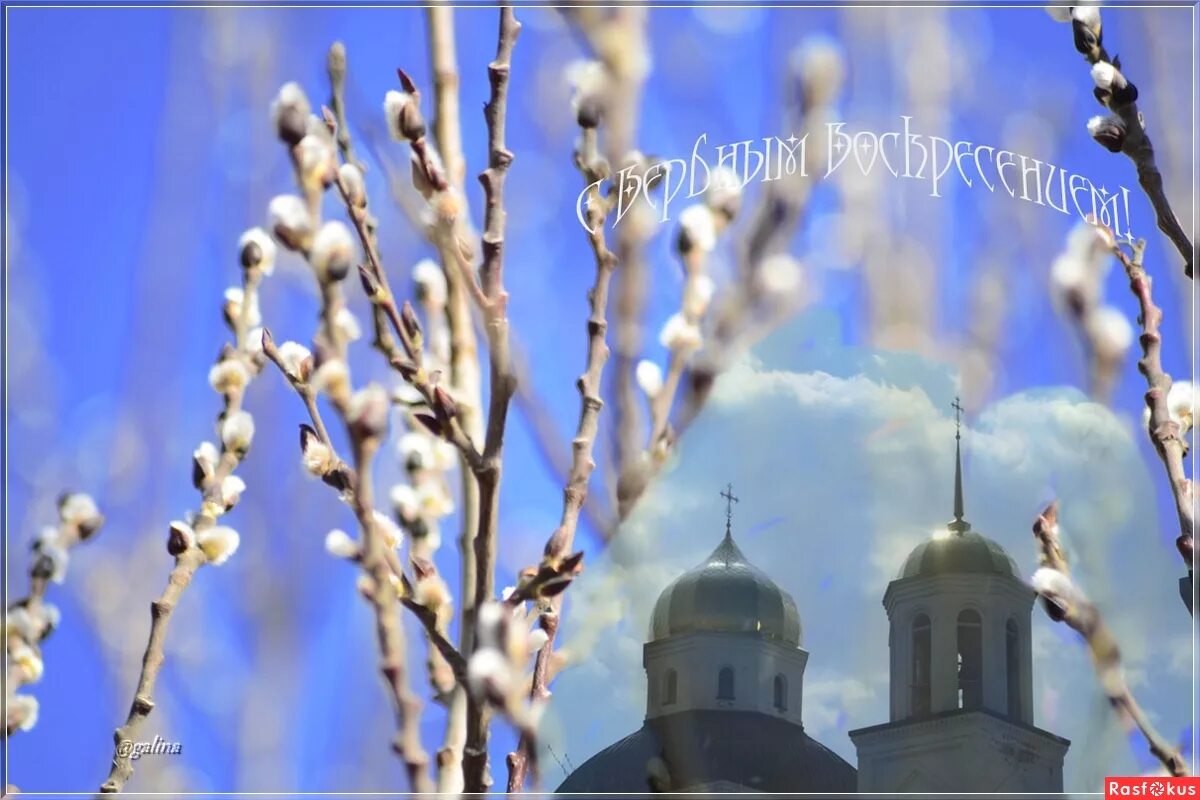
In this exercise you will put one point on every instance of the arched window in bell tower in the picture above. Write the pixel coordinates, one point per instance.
(970, 659)
(1012, 667)
(780, 692)
(921, 648)
(670, 687)
(725, 683)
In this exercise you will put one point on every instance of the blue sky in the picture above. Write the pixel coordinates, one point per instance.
(139, 148)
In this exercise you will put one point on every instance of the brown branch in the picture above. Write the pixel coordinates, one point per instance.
(408, 360)
(464, 375)
(341, 476)
(491, 279)
(626, 68)
(1163, 430)
(189, 555)
(365, 418)
(575, 492)
(524, 759)
(388, 630)
(1065, 602)
(1125, 131)
(336, 67)
(464, 360)
(446, 119)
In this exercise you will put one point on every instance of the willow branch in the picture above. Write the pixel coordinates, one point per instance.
(342, 477)
(491, 282)
(1065, 602)
(365, 416)
(749, 308)
(336, 67)
(1125, 131)
(446, 117)
(575, 493)
(464, 372)
(390, 326)
(1165, 431)
(388, 630)
(29, 620)
(189, 555)
(619, 40)
(780, 211)
(550, 441)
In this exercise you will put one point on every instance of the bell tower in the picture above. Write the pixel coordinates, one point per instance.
(961, 669)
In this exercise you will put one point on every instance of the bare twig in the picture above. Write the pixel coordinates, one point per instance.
(1165, 430)
(446, 118)
(336, 66)
(590, 403)
(618, 38)
(551, 443)
(1065, 602)
(1124, 130)
(494, 302)
(382, 596)
(465, 373)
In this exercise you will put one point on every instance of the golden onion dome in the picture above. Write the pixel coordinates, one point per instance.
(960, 549)
(957, 552)
(727, 594)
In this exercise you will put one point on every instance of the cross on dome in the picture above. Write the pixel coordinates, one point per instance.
(958, 524)
(730, 499)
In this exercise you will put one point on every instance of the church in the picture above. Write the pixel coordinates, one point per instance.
(725, 683)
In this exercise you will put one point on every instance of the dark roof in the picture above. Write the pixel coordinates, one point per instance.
(964, 551)
(755, 750)
(726, 593)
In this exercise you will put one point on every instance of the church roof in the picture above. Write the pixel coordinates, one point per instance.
(726, 593)
(703, 748)
(958, 551)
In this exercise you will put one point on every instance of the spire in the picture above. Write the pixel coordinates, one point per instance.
(729, 501)
(958, 525)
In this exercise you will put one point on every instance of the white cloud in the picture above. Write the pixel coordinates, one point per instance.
(844, 460)
(832, 699)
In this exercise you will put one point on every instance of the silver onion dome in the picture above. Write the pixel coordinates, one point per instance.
(727, 594)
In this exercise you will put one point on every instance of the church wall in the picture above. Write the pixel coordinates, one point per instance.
(970, 752)
(698, 658)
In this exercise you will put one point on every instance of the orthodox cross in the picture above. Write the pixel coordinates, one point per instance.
(958, 525)
(730, 499)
